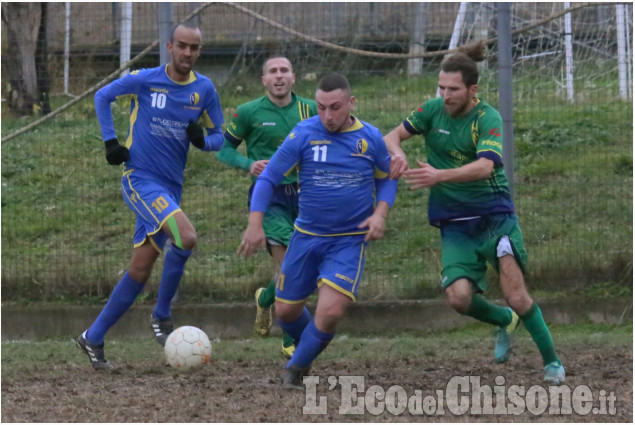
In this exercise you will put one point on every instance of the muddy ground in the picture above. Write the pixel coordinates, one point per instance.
(247, 389)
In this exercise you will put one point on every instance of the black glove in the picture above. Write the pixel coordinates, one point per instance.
(116, 153)
(196, 135)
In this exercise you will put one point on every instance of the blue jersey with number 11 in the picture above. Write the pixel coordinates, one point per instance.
(160, 111)
(339, 175)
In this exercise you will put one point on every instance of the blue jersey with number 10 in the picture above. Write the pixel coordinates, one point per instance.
(160, 111)
(339, 174)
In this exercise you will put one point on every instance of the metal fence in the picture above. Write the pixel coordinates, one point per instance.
(573, 193)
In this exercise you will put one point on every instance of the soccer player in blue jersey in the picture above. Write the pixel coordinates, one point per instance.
(344, 197)
(170, 105)
(263, 124)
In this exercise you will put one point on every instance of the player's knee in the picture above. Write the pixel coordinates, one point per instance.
(188, 241)
(519, 301)
(288, 312)
(459, 301)
(327, 317)
(140, 273)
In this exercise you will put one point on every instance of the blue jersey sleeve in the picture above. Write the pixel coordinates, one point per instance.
(213, 120)
(385, 188)
(125, 86)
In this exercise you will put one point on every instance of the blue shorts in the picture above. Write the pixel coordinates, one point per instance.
(313, 261)
(152, 203)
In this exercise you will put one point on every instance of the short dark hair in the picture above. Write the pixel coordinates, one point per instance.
(264, 64)
(334, 81)
(464, 61)
(187, 24)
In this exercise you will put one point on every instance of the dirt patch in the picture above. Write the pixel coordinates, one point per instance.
(249, 390)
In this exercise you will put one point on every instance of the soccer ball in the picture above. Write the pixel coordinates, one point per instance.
(187, 347)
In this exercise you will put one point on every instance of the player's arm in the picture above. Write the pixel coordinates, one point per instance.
(385, 193)
(229, 153)
(398, 160)
(254, 237)
(115, 153)
(489, 153)
(212, 119)
(283, 162)
(427, 176)
(236, 131)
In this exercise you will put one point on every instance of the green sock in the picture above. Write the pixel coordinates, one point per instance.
(535, 324)
(287, 340)
(268, 296)
(485, 311)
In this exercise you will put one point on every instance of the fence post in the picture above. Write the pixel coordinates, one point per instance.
(67, 44)
(165, 31)
(620, 17)
(505, 101)
(126, 36)
(568, 48)
(417, 39)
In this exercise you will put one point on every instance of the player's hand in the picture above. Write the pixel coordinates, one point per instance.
(376, 224)
(253, 240)
(116, 153)
(258, 167)
(425, 176)
(398, 165)
(195, 134)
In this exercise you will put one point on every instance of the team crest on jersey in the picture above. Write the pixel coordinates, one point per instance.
(362, 146)
(194, 98)
(135, 72)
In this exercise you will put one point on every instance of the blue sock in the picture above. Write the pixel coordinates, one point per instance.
(296, 328)
(312, 343)
(121, 298)
(173, 267)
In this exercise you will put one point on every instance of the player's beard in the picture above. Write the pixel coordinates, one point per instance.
(183, 67)
(458, 109)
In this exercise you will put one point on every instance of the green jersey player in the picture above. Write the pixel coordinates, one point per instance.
(471, 203)
(263, 124)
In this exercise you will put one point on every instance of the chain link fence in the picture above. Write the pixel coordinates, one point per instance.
(66, 232)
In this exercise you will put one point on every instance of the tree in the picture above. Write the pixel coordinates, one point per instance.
(41, 63)
(22, 21)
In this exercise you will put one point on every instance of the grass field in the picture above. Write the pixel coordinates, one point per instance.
(51, 380)
(69, 232)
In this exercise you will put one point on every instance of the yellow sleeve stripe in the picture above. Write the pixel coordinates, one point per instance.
(133, 119)
(207, 121)
(232, 133)
(290, 169)
(380, 174)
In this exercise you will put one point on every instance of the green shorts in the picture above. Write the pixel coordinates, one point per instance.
(278, 224)
(281, 213)
(468, 245)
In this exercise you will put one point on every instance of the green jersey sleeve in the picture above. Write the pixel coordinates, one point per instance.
(490, 135)
(229, 155)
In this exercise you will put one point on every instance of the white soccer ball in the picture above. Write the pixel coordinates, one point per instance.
(187, 347)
